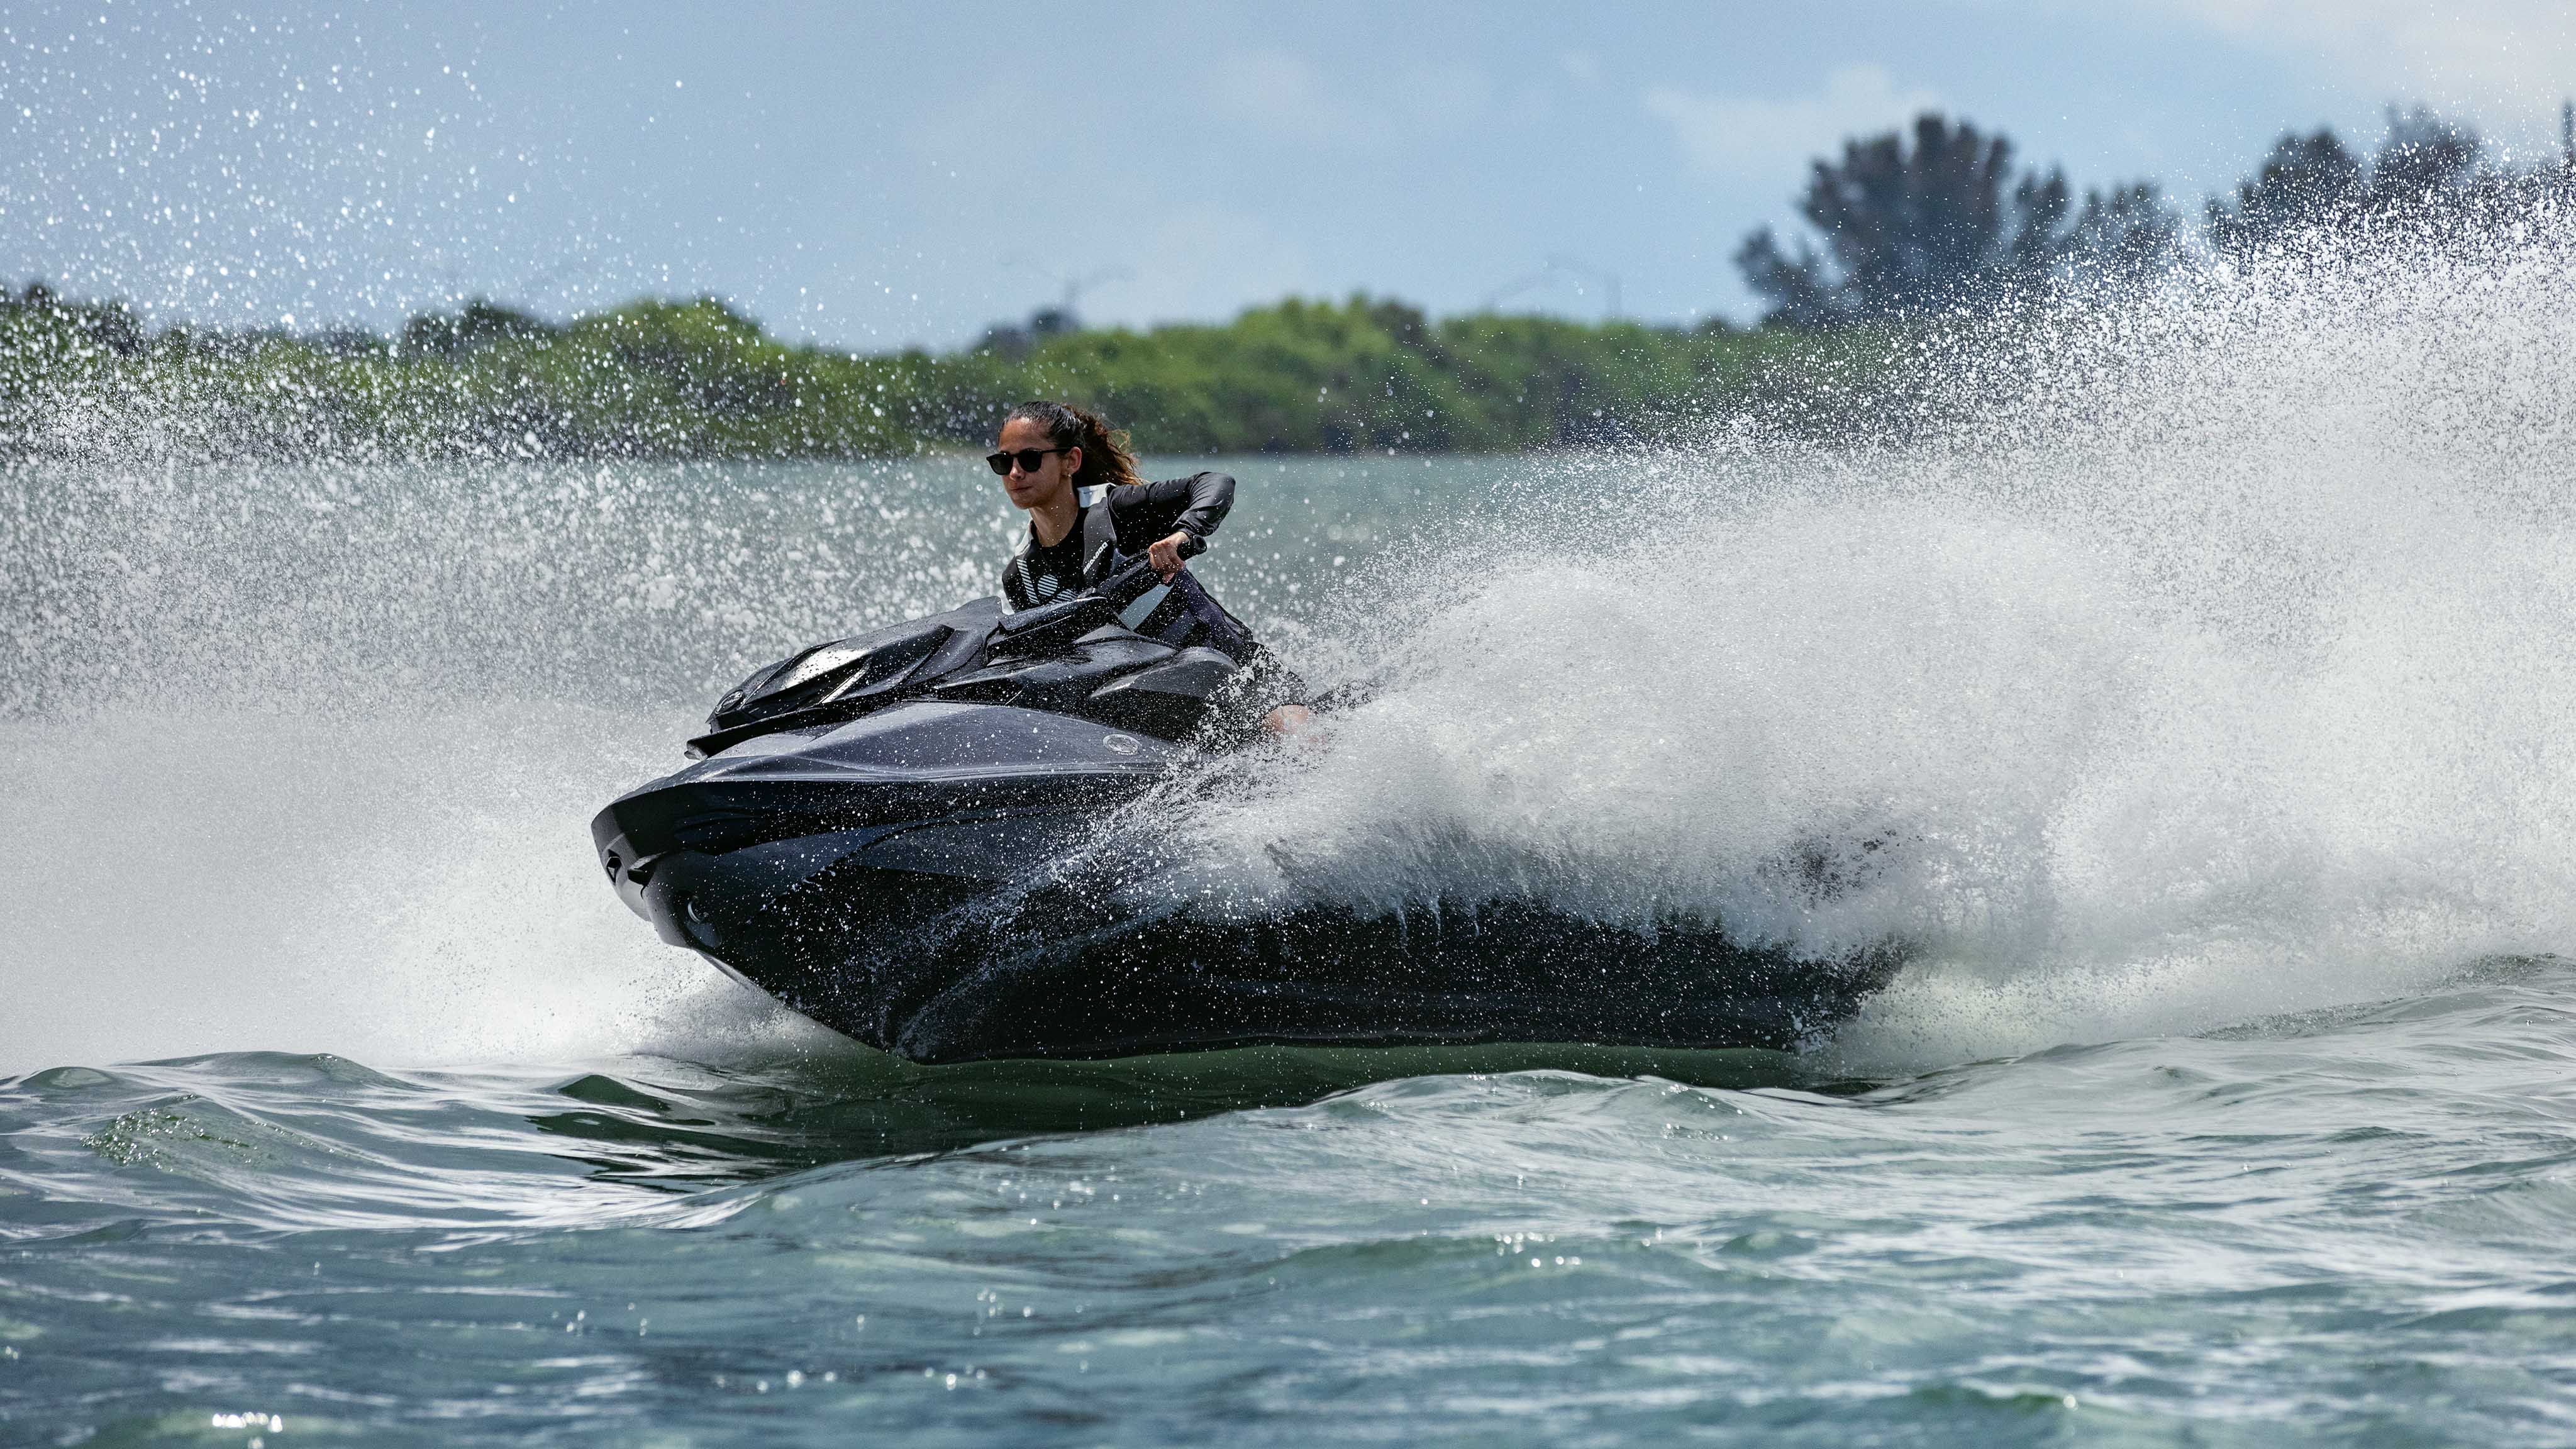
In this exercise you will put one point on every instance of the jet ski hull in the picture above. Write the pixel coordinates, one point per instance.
(901, 837)
(900, 880)
(1324, 977)
(941, 967)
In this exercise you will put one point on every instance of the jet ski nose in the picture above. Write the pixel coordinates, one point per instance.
(628, 874)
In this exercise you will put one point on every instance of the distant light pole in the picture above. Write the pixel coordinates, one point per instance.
(1073, 283)
(1558, 265)
(1608, 279)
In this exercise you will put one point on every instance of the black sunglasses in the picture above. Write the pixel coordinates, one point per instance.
(1027, 458)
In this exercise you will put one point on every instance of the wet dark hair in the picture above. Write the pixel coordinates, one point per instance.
(1105, 458)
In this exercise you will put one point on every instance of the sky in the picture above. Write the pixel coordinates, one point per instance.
(876, 176)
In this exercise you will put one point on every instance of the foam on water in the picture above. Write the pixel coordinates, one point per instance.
(305, 759)
(2159, 664)
(2193, 658)
(400, 892)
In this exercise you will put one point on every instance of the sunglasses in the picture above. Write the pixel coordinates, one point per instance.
(1028, 460)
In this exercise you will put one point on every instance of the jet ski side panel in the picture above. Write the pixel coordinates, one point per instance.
(971, 989)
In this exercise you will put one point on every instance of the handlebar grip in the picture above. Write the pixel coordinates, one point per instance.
(1129, 583)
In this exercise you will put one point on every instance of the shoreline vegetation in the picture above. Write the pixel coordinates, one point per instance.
(657, 379)
(1912, 239)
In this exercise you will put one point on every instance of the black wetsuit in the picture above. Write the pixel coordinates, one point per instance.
(1182, 614)
(1140, 514)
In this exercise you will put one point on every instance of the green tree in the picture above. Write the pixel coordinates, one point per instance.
(2304, 182)
(1940, 219)
(2427, 168)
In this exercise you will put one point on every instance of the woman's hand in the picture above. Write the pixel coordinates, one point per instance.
(1165, 554)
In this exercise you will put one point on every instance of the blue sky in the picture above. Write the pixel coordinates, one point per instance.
(879, 175)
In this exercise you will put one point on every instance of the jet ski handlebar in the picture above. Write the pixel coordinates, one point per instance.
(832, 682)
(1083, 612)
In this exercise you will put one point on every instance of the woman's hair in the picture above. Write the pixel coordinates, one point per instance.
(1105, 458)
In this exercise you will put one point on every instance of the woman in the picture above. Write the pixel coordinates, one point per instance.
(1078, 484)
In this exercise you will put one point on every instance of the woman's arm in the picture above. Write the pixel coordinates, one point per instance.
(1173, 518)
(1150, 512)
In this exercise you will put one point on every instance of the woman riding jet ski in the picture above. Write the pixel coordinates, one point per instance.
(916, 836)
(1077, 482)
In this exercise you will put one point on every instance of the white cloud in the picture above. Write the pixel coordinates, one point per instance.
(1750, 138)
(1287, 96)
(1201, 260)
(2506, 61)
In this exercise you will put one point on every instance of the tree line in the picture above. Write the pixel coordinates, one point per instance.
(657, 379)
(1938, 218)
(1928, 222)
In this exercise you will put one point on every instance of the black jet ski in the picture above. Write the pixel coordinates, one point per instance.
(897, 835)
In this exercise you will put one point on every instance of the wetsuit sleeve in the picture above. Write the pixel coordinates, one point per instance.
(1195, 505)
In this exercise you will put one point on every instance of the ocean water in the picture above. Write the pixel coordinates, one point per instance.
(2181, 686)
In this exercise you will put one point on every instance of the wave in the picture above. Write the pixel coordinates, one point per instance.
(2169, 660)
(2208, 659)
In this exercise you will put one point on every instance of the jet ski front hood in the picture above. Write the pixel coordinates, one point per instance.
(914, 762)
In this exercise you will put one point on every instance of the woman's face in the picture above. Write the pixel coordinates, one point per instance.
(1054, 475)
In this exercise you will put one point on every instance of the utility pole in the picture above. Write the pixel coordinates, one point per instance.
(1074, 284)
(1608, 279)
(1560, 265)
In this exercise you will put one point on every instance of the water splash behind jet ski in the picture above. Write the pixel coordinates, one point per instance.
(921, 838)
